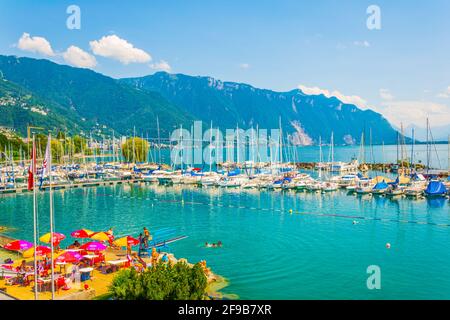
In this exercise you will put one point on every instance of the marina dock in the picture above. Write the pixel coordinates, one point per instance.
(74, 185)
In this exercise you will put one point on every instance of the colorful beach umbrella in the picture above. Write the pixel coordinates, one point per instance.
(69, 257)
(82, 233)
(18, 245)
(40, 251)
(126, 241)
(101, 236)
(57, 237)
(93, 246)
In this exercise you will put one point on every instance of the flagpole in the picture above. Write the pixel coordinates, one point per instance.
(33, 169)
(49, 164)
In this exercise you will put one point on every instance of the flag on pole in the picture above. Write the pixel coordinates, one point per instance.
(47, 163)
(32, 168)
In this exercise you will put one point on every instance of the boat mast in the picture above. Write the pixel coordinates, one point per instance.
(181, 144)
(134, 151)
(412, 151)
(49, 164)
(428, 148)
(332, 153)
(281, 140)
(210, 148)
(320, 157)
(159, 140)
(363, 152)
(371, 146)
(398, 139)
(258, 157)
(33, 172)
(402, 148)
(237, 144)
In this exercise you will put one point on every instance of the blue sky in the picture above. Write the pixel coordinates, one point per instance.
(324, 46)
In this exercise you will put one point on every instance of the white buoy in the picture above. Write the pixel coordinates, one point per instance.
(388, 245)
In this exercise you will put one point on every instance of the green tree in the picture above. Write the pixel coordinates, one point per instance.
(14, 144)
(140, 148)
(79, 144)
(57, 151)
(161, 282)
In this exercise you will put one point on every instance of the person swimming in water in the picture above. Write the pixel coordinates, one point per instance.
(213, 245)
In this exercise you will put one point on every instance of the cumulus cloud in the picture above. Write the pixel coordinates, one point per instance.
(356, 100)
(79, 58)
(385, 94)
(244, 66)
(364, 44)
(161, 65)
(120, 49)
(35, 44)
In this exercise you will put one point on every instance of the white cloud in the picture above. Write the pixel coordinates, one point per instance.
(35, 44)
(79, 58)
(161, 65)
(445, 94)
(385, 94)
(244, 66)
(116, 48)
(415, 112)
(364, 43)
(356, 100)
(395, 111)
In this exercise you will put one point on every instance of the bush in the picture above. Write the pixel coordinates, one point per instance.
(161, 282)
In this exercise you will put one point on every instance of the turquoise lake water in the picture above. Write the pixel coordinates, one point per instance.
(269, 253)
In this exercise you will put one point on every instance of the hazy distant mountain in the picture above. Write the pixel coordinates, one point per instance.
(79, 99)
(439, 133)
(304, 117)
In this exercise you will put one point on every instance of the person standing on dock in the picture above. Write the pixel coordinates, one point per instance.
(141, 242)
(147, 237)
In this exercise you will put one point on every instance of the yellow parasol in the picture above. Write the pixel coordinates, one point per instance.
(41, 251)
(101, 236)
(57, 237)
(125, 241)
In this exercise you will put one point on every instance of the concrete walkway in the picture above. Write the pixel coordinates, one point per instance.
(4, 296)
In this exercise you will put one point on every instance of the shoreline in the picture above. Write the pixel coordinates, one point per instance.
(101, 282)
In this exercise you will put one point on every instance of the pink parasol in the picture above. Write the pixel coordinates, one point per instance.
(69, 257)
(18, 245)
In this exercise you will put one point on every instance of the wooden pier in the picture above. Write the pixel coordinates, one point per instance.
(73, 185)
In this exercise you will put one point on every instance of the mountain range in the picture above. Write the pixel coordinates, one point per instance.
(45, 94)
